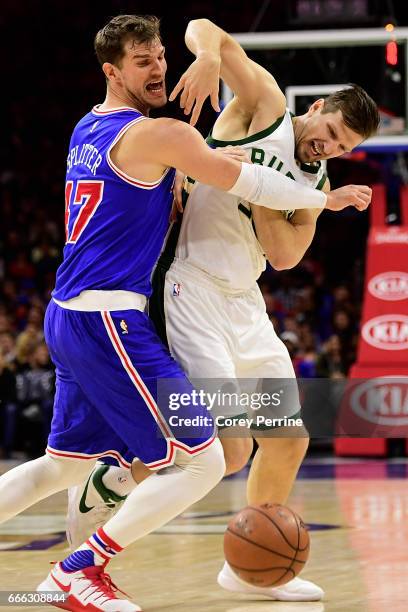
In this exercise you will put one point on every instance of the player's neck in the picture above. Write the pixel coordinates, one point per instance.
(298, 127)
(114, 100)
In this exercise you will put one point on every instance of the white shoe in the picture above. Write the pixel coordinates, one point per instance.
(294, 590)
(90, 506)
(84, 590)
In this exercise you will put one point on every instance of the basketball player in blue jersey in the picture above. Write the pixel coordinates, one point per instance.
(107, 354)
(99, 482)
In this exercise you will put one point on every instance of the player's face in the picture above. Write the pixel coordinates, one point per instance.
(143, 70)
(324, 135)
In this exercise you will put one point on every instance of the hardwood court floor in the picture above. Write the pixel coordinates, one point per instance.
(357, 512)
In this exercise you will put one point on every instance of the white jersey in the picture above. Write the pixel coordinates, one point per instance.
(217, 235)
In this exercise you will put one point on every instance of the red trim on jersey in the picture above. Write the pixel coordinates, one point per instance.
(173, 446)
(125, 177)
(125, 128)
(119, 109)
(133, 373)
(129, 179)
(86, 457)
(172, 443)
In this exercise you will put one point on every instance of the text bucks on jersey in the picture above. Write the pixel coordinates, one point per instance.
(275, 147)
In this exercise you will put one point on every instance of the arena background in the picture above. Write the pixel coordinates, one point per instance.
(50, 78)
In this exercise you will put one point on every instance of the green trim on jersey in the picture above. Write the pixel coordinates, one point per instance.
(312, 168)
(223, 143)
(156, 300)
(321, 182)
(247, 211)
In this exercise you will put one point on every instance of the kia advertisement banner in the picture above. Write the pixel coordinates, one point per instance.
(384, 326)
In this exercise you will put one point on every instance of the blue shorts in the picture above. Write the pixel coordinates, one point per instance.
(107, 368)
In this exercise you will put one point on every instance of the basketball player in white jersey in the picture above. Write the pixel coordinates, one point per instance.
(216, 322)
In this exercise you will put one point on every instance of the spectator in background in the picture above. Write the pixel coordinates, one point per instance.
(21, 268)
(5, 323)
(345, 328)
(46, 259)
(286, 293)
(8, 349)
(26, 343)
(291, 341)
(35, 390)
(306, 366)
(305, 304)
(8, 294)
(342, 299)
(8, 408)
(330, 362)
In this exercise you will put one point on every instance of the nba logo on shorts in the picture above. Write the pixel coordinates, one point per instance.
(176, 288)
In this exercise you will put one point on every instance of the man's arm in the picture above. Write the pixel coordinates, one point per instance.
(285, 241)
(220, 56)
(151, 146)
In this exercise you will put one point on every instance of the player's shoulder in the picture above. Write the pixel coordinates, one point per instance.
(235, 120)
(272, 98)
(161, 129)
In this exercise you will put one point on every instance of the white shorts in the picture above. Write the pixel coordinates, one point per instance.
(214, 334)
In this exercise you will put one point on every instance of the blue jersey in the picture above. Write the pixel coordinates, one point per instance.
(115, 224)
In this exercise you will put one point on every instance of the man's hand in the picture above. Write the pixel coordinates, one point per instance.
(238, 153)
(177, 206)
(200, 80)
(358, 196)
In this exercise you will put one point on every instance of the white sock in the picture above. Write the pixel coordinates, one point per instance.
(161, 497)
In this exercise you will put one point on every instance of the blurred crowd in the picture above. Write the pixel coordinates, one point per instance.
(30, 251)
(317, 323)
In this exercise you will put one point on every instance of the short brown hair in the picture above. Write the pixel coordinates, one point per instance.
(110, 40)
(360, 112)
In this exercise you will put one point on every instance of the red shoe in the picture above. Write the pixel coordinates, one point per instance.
(87, 590)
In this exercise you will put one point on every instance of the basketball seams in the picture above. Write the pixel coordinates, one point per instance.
(278, 528)
(298, 519)
(297, 525)
(238, 535)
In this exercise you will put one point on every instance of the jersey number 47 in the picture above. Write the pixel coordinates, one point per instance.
(81, 203)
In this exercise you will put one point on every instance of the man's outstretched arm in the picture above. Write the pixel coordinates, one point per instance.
(161, 143)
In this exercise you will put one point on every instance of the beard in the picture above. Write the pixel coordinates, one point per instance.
(144, 103)
(300, 154)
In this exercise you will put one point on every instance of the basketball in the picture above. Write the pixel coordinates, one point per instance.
(266, 545)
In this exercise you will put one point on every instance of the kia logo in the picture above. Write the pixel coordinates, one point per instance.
(387, 332)
(383, 401)
(390, 286)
